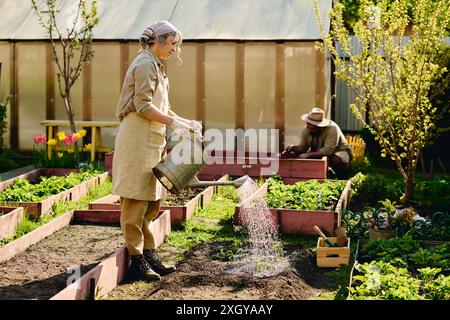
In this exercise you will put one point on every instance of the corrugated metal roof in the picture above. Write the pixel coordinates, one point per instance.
(196, 19)
(355, 46)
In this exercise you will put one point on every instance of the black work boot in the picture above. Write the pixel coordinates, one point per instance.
(141, 270)
(153, 260)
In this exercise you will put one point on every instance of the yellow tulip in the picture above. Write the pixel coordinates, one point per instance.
(60, 154)
(51, 142)
(61, 135)
(70, 150)
(88, 147)
(82, 132)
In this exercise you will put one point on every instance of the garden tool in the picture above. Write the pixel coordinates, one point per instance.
(341, 235)
(325, 238)
(178, 169)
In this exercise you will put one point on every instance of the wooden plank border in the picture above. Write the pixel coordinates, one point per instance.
(178, 214)
(12, 217)
(21, 244)
(103, 278)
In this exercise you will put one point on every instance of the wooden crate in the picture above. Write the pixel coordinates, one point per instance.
(332, 257)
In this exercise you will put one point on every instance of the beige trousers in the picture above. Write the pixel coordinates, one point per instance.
(135, 221)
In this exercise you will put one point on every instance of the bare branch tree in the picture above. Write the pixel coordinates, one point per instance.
(73, 31)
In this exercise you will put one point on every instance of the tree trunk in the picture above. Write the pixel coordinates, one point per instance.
(409, 187)
(70, 116)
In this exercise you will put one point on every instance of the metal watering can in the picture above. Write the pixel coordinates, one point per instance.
(178, 169)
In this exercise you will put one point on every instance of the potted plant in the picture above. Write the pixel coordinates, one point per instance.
(380, 223)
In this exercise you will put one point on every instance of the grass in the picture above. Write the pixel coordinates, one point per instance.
(58, 209)
(210, 224)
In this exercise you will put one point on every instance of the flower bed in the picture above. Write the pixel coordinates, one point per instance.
(10, 219)
(295, 218)
(181, 206)
(37, 199)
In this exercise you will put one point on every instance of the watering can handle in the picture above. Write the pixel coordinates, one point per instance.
(165, 146)
(168, 141)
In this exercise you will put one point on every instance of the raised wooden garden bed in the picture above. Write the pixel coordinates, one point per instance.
(178, 213)
(21, 244)
(36, 173)
(292, 170)
(36, 209)
(99, 281)
(292, 221)
(104, 276)
(10, 219)
(110, 272)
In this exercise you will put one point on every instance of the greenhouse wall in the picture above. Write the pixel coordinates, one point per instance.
(225, 84)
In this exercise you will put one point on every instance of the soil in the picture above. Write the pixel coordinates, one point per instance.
(41, 271)
(170, 199)
(199, 277)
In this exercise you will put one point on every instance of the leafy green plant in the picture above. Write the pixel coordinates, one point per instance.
(435, 287)
(225, 254)
(433, 257)
(390, 249)
(23, 190)
(59, 208)
(304, 195)
(382, 280)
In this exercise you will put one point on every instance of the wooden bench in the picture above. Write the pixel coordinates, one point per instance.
(95, 131)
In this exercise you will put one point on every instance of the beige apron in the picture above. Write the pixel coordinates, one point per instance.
(137, 150)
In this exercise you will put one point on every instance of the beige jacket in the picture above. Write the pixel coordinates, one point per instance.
(331, 140)
(139, 141)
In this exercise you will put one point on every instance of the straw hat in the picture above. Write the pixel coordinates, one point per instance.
(316, 117)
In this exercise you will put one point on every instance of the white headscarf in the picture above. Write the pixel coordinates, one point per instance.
(158, 31)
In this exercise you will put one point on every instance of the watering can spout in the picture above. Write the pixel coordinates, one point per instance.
(195, 183)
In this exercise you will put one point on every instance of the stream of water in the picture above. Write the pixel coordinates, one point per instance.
(263, 254)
